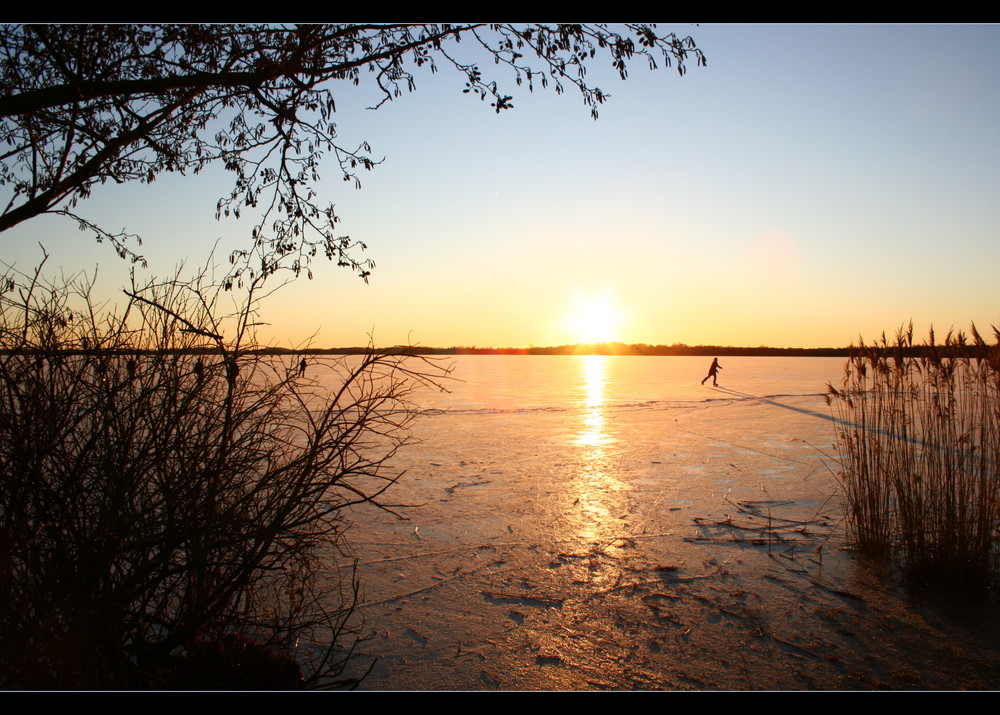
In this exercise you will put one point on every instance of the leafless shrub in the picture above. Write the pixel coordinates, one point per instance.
(165, 495)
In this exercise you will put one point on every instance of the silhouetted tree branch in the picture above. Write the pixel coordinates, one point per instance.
(82, 105)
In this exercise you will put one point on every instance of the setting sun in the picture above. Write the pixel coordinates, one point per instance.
(595, 319)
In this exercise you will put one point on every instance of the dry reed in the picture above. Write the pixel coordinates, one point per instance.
(919, 445)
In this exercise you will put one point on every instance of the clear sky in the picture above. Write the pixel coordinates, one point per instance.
(812, 183)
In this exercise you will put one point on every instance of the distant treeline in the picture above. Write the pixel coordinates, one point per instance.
(579, 349)
(599, 349)
(639, 349)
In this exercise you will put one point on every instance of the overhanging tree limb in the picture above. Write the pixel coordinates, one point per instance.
(82, 105)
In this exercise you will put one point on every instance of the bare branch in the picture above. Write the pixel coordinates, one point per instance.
(82, 105)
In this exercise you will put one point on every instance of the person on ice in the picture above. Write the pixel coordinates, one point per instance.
(712, 372)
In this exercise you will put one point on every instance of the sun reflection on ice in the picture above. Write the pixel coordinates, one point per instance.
(594, 375)
(595, 484)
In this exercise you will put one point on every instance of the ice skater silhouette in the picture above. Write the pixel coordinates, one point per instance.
(712, 372)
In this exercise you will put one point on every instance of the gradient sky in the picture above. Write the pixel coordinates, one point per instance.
(812, 183)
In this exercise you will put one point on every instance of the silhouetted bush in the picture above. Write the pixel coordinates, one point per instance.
(164, 511)
(920, 450)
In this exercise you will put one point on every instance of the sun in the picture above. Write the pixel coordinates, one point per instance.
(594, 319)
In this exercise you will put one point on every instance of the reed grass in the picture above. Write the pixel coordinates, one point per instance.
(919, 446)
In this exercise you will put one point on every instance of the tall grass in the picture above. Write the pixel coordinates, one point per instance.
(166, 496)
(920, 454)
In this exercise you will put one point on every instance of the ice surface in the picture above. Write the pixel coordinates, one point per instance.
(610, 524)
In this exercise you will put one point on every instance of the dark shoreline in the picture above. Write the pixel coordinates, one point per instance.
(640, 349)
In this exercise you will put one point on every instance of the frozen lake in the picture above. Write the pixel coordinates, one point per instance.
(518, 382)
(596, 522)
